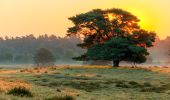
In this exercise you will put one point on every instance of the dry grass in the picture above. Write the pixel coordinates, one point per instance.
(160, 69)
(7, 85)
(8, 71)
(88, 82)
(70, 92)
(86, 75)
(74, 67)
(37, 70)
(40, 70)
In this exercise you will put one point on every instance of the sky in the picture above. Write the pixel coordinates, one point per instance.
(23, 17)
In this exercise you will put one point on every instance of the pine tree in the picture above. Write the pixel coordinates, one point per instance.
(112, 34)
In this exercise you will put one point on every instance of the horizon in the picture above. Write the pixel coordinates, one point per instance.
(36, 36)
(44, 17)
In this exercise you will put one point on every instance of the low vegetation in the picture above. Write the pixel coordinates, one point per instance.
(61, 98)
(84, 83)
(20, 91)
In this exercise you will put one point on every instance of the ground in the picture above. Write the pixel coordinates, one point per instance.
(88, 82)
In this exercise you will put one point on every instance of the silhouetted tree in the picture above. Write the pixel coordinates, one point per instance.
(44, 57)
(112, 34)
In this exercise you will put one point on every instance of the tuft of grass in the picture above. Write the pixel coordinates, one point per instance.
(66, 97)
(1, 90)
(87, 86)
(146, 84)
(122, 85)
(52, 69)
(46, 72)
(133, 83)
(20, 91)
(159, 89)
(152, 89)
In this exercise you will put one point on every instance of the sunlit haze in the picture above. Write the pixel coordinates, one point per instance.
(22, 17)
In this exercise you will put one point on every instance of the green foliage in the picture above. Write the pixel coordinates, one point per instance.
(157, 89)
(111, 34)
(86, 87)
(5, 57)
(24, 58)
(61, 98)
(143, 87)
(20, 91)
(44, 57)
(118, 49)
(122, 85)
(69, 54)
(22, 49)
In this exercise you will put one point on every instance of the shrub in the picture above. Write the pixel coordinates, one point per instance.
(158, 89)
(165, 86)
(122, 85)
(61, 98)
(133, 83)
(152, 89)
(44, 57)
(20, 91)
(146, 84)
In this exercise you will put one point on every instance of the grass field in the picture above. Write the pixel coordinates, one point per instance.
(87, 83)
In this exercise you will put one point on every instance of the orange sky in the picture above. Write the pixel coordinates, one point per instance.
(21, 17)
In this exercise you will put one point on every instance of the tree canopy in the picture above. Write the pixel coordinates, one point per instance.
(112, 34)
(44, 57)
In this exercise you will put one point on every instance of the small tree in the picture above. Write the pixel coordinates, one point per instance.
(44, 57)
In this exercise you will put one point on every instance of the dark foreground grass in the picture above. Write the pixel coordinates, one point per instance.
(66, 97)
(20, 91)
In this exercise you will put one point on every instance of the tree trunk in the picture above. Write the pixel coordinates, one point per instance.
(116, 63)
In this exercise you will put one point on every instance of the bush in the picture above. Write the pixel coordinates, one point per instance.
(133, 83)
(44, 57)
(61, 98)
(152, 89)
(158, 89)
(20, 91)
(122, 85)
(146, 84)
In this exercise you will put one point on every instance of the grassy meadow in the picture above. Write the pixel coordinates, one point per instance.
(86, 83)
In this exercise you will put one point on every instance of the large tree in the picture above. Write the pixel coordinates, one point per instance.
(111, 34)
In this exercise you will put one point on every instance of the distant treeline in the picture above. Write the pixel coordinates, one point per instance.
(22, 49)
(160, 52)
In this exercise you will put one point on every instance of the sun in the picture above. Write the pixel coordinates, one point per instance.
(146, 19)
(110, 16)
